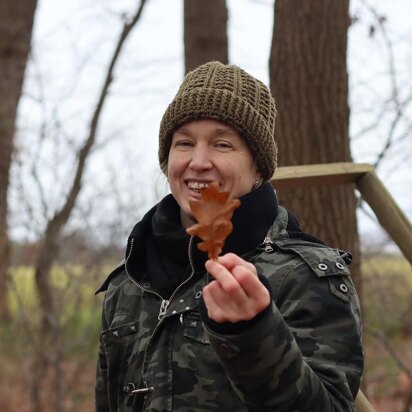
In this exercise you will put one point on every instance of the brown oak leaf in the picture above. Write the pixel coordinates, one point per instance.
(213, 213)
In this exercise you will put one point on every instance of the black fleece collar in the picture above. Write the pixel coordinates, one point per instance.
(252, 220)
(160, 248)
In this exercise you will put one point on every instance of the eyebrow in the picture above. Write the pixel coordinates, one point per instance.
(224, 129)
(183, 130)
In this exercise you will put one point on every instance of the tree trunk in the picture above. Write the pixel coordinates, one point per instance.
(309, 80)
(16, 22)
(205, 32)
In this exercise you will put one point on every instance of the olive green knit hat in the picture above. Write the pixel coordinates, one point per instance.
(228, 94)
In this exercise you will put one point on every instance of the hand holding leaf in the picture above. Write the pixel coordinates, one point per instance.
(213, 213)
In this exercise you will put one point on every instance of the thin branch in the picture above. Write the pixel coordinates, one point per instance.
(399, 106)
(374, 124)
(62, 216)
(31, 222)
(391, 135)
(391, 59)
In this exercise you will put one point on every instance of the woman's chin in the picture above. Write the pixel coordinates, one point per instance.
(186, 218)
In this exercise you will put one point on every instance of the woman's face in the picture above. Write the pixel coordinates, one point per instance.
(203, 151)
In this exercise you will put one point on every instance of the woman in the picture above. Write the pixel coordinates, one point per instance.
(273, 324)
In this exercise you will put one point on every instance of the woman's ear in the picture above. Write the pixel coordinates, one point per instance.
(258, 181)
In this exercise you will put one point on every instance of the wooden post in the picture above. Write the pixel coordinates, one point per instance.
(362, 404)
(389, 215)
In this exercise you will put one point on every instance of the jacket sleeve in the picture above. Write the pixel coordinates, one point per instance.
(305, 353)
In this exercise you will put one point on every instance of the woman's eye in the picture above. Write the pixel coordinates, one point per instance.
(223, 145)
(183, 143)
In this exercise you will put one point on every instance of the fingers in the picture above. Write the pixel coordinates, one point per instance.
(223, 275)
(236, 293)
(222, 308)
(251, 285)
(237, 277)
(230, 260)
(219, 307)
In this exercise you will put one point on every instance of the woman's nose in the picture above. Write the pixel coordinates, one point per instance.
(200, 159)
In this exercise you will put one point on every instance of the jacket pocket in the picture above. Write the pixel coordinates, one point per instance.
(193, 327)
(121, 341)
(120, 333)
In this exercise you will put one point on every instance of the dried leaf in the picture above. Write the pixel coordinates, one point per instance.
(213, 213)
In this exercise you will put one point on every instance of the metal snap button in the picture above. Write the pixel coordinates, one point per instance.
(340, 266)
(146, 285)
(343, 288)
(198, 294)
(322, 266)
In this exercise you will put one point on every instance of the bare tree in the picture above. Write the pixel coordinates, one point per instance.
(387, 119)
(16, 22)
(49, 350)
(308, 77)
(50, 243)
(205, 32)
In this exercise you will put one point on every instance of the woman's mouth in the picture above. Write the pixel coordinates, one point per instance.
(197, 186)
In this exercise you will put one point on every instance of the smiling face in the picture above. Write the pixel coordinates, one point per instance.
(204, 151)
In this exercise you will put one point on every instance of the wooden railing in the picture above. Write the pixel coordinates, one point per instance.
(371, 188)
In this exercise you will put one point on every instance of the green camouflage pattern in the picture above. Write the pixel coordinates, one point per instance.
(305, 354)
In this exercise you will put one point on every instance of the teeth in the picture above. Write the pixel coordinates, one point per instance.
(197, 185)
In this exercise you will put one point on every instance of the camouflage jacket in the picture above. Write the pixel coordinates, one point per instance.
(304, 354)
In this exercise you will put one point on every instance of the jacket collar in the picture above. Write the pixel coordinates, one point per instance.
(161, 224)
(258, 216)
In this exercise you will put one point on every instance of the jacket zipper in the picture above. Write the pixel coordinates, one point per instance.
(134, 281)
(163, 309)
(165, 303)
(268, 242)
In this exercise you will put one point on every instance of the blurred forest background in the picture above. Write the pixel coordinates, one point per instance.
(83, 85)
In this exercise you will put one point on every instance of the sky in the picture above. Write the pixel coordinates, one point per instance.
(72, 43)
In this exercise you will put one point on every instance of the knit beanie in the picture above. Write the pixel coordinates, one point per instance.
(228, 94)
